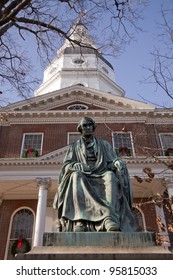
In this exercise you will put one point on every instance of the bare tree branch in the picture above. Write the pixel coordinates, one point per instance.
(161, 73)
(50, 22)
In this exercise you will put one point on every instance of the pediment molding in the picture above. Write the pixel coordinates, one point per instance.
(78, 93)
(55, 157)
(109, 108)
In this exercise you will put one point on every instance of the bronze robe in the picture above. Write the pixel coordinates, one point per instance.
(96, 195)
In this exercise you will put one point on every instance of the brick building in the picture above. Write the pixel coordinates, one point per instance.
(35, 134)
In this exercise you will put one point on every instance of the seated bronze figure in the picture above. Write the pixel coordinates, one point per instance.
(94, 192)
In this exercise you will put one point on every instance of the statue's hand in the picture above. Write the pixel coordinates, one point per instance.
(78, 166)
(81, 167)
(119, 164)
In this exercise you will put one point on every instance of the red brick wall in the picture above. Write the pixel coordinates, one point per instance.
(149, 212)
(55, 136)
(150, 217)
(7, 208)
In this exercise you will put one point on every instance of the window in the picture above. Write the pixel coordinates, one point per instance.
(139, 219)
(73, 137)
(167, 143)
(21, 232)
(79, 83)
(122, 143)
(105, 70)
(78, 61)
(32, 145)
(77, 107)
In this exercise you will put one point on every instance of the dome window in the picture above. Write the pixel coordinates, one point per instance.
(105, 70)
(78, 61)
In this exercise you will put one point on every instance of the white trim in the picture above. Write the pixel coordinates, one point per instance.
(68, 136)
(10, 226)
(71, 90)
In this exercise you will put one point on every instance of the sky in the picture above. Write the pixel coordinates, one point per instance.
(129, 65)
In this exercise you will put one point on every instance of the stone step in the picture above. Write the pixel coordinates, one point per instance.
(97, 253)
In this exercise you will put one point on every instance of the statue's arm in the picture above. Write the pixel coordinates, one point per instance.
(119, 167)
(114, 162)
(69, 160)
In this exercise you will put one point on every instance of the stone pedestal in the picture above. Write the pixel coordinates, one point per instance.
(98, 246)
(99, 239)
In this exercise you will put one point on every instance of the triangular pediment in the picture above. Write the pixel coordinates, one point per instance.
(91, 98)
(55, 156)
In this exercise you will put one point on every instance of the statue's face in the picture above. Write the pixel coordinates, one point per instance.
(87, 128)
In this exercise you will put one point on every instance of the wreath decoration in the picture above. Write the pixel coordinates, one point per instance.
(169, 152)
(123, 151)
(20, 246)
(31, 153)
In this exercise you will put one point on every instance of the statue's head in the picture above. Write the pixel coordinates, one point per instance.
(85, 120)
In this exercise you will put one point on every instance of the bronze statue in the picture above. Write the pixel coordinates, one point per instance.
(94, 192)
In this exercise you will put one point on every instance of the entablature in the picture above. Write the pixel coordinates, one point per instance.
(73, 116)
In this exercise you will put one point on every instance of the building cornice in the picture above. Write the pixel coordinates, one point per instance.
(100, 116)
(50, 160)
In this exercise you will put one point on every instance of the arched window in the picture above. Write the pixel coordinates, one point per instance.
(20, 237)
(79, 83)
(139, 219)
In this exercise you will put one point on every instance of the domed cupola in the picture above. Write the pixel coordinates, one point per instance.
(79, 64)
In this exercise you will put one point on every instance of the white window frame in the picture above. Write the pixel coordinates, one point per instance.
(160, 137)
(68, 136)
(32, 133)
(131, 138)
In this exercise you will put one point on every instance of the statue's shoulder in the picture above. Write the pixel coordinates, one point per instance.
(78, 142)
(75, 144)
(103, 142)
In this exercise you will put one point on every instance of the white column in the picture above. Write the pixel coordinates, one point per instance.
(43, 184)
(169, 186)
